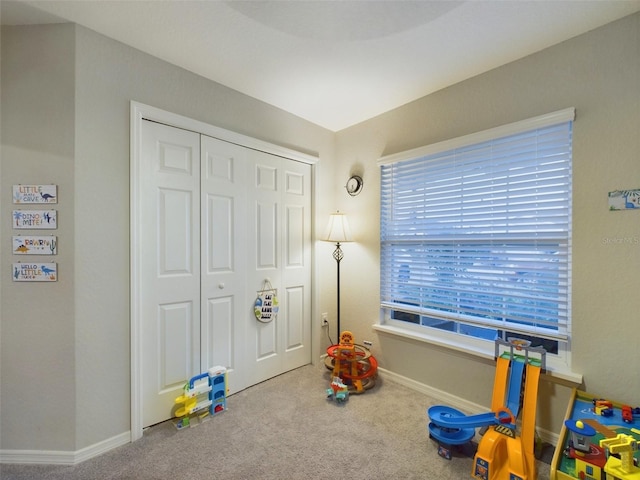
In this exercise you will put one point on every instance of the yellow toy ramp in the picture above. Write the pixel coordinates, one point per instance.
(502, 454)
(186, 408)
(529, 410)
(500, 384)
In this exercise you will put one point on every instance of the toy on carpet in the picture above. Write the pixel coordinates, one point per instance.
(504, 453)
(338, 391)
(352, 363)
(204, 395)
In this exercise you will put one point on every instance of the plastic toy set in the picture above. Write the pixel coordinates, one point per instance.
(204, 395)
(352, 364)
(599, 441)
(505, 451)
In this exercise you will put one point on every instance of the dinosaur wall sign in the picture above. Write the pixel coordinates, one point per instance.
(35, 194)
(35, 272)
(35, 245)
(35, 219)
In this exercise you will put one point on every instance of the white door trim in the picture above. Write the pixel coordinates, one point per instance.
(139, 112)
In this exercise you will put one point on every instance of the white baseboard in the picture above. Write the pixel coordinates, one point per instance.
(53, 457)
(455, 402)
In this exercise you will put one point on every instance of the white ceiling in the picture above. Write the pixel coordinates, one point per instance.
(334, 63)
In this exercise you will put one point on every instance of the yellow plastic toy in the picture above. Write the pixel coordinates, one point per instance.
(204, 394)
(621, 468)
(502, 453)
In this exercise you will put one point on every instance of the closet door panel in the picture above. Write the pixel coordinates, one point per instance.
(223, 246)
(266, 239)
(296, 271)
(220, 318)
(169, 239)
(295, 315)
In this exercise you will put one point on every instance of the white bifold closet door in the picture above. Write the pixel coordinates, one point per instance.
(219, 219)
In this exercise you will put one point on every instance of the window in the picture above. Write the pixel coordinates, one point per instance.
(475, 237)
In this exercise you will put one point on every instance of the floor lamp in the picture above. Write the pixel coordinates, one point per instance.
(338, 232)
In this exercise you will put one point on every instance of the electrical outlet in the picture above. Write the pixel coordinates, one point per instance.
(368, 344)
(325, 320)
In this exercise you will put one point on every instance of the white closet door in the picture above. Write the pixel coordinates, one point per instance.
(296, 264)
(224, 246)
(219, 219)
(280, 229)
(170, 273)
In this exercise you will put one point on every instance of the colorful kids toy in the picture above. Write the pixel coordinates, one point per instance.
(595, 445)
(204, 394)
(504, 453)
(620, 464)
(352, 363)
(338, 391)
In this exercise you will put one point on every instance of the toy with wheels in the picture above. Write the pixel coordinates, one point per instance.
(353, 363)
(338, 391)
(203, 395)
(506, 451)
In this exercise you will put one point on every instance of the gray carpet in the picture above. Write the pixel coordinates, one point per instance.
(281, 429)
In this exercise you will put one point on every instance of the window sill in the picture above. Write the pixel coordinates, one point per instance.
(552, 374)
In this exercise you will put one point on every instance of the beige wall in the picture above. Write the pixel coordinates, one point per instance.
(66, 91)
(65, 120)
(37, 331)
(597, 73)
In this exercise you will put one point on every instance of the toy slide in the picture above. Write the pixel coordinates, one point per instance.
(500, 383)
(515, 386)
(188, 406)
(452, 427)
(454, 435)
(502, 453)
(529, 407)
(447, 417)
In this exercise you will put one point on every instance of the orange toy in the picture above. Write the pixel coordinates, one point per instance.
(502, 453)
(353, 363)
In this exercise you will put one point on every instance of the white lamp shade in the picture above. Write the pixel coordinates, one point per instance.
(338, 230)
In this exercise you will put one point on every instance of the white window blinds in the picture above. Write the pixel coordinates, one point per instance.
(478, 230)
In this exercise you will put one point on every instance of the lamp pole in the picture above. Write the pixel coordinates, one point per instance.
(338, 255)
(338, 232)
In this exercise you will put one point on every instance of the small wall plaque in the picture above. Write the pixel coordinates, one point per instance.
(35, 272)
(624, 199)
(35, 194)
(35, 219)
(35, 245)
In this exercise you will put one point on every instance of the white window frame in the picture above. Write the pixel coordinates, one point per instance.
(558, 365)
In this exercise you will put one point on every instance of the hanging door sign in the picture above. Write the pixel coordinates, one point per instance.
(35, 219)
(266, 307)
(35, 272)
(35, 194)
(35, 245)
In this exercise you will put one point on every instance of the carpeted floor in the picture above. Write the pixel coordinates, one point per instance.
(284, 428)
